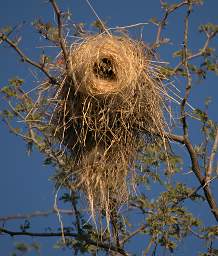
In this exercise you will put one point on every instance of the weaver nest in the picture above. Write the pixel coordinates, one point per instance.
(104, 113)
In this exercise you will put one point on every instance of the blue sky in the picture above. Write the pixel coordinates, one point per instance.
(25, 184)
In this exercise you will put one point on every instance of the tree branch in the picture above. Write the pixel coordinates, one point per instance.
(174, 137)
(194, 160)
(62, 42)
(24, 58)
(197, 171)
(189, 78)
(83, 237)
(164, 19)
(200, 52)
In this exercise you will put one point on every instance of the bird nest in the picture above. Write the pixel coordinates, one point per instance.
(104, 112)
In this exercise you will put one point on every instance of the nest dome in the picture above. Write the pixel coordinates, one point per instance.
(107, 64)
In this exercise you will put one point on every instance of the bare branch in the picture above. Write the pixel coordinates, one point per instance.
(129, 26)
(24, 58)
(210, 180)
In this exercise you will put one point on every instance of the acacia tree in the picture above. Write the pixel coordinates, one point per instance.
(164, 220)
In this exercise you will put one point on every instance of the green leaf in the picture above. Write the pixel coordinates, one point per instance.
(22, 247)
(65, 198)
(154, 21)
(35, 246)
(201, 115)
(25, 226)
(6, 29)
(17, 82)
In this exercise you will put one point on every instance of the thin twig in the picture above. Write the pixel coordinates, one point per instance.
(210, 180)
(195, 233)
(34, 214)
(103, 26)
(147, 249)
(129, 26)
(135, 232)
(58, 210)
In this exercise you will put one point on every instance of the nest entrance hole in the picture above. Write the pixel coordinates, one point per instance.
(104, 69)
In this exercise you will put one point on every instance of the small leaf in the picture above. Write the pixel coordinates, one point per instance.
(154, 21)
(22, 247)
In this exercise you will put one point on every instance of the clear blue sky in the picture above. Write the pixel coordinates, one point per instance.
(24, 184)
